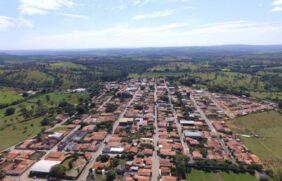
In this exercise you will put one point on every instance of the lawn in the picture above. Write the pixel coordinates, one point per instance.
(268, 144)
(198, 175)
(8, 96)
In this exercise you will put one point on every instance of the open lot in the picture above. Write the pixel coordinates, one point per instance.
(198, 175)
(267, 143)
(8, 96)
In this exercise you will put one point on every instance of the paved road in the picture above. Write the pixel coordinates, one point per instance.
(156, 161)
(186, 149)
(225, 110)
(85, 172)
(211, 127)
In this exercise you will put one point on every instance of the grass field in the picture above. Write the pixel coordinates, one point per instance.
(154, 75)
(29, 76)
(268, 144)
(17, 132)
(8, 96)
(67, 65)
(15, 128)
(198, 175)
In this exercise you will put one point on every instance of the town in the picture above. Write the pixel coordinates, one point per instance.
(140, 130)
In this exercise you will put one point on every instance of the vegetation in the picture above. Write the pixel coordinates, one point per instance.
(198, 175)
(8, 96)
(265, 136)
(33, 114)
(58, 171)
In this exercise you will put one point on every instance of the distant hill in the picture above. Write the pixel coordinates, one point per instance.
(193, 50)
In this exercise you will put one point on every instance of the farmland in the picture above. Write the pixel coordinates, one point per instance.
(267, 144)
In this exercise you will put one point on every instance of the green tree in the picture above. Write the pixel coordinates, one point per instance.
(10, 111)
(58, 171)
(280, 104)
(181, 162)
(111, 175)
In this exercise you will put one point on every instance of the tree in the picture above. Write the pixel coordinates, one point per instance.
(45, 122)
(10, 111)
(103, 158)
(280, 104)
(25, 94)
(110, 108)
(47, 97)
(58, 171)
(111, 175)
(181, 165)
(25, 112)
(81, 109)
(2, 175)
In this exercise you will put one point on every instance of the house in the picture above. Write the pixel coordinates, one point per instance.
(125, 121)
(116, 150)
(168, 178)
(187, 122)
(193, 134)
(144, 172)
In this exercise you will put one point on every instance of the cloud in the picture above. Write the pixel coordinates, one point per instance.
(41, 7)
(143, 2)
(277, 5)
(175, 34)
(9, 22)
(75, 16)
(158, 14)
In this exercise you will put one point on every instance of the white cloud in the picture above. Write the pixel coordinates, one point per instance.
(40, 7)
(158, 14)
(277, 5)
(76, 16)
(176, 34)
(8, 22)
(143, 2)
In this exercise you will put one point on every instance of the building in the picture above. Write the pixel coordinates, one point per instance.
(42, 168)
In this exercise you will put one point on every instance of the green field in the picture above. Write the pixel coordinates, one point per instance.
(268, 144)
(15, 133)
(15, 128)
(198, 175)
(8, 96)
(29, 76)
(67, 66)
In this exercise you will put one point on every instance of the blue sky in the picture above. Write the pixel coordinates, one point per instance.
(71, 24)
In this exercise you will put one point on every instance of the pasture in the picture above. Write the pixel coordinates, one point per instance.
(267, 143)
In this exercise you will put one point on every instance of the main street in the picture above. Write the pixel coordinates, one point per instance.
(156, 161)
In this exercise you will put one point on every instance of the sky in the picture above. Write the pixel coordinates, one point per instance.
(80, 24)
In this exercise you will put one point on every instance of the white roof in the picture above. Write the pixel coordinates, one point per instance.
(192, 134)
(114, 149)
(187, 122)
(44, 166)
(55, 135)
(125, 120)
